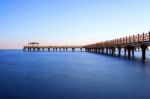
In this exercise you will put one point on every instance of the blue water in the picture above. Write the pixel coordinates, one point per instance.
(72, 75)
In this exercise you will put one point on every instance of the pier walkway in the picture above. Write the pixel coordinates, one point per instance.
(128, 44)
(35, 47)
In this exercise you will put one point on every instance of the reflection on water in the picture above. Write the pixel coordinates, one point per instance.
(77, 75)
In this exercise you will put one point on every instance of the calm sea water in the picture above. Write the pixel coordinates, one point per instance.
(72, 75)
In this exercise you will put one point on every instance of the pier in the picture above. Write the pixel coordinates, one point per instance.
(35, 47)
(128, 44)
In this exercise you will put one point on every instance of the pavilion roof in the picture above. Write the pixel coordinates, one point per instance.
(33, 43)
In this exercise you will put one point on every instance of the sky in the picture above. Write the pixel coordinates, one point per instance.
(70, 22)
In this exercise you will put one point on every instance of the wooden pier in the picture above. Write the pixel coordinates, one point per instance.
(35, 47)
(127, 44)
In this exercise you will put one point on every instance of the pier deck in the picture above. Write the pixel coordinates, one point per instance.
(36, 47)
(128, 44)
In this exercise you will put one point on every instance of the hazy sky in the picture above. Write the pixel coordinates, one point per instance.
(74, 22)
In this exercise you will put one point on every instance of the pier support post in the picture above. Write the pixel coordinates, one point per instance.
(94, 50)
(73, 49)
(125, 51)
(55, 49)
(138, 49)
(102, 50)
(33, 49)
(119, 51)
(87, 49)
(113, 51)
(130, 48)
(49, 49)
(143, 48)
(98, 50)
(129, 52)
(29, 49)
(38, 49)
(109, 50)
(106, 50)
(133, 49)
(90, 50)
(81, 49)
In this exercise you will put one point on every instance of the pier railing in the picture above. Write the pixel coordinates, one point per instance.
(144, 37)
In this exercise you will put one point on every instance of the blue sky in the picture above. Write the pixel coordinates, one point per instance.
(70, 22)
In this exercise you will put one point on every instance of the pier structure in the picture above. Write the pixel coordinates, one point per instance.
(127, 44)
(35, 47)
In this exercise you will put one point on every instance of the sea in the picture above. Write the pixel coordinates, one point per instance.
(73, 75)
